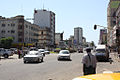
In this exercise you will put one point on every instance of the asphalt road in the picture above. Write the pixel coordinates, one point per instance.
(50, 69)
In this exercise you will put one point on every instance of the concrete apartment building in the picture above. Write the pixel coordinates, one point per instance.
(103, 36)
(78, 35)
(111, 19)
(45, 18)
(21, 30)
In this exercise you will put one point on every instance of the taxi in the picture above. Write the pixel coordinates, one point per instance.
(104, 76)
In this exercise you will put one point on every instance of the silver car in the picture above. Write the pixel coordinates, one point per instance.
(64, 54)
(33, 56)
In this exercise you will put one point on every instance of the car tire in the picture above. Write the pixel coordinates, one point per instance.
(38, 60)
(25, 62)
(42, 60)
(6, 56)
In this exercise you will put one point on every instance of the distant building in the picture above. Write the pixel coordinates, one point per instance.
(84, 41)
(58, 38)
(45, 37)
(45, 18)
(78, 35)
(21, 30)
(103, 36)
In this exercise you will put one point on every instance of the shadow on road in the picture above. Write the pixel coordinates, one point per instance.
(65, 60)
(7, 58)
(33, 62)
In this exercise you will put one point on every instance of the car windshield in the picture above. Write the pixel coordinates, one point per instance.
(64, 52)
(32, 53)
(33, 49)
(100, 50)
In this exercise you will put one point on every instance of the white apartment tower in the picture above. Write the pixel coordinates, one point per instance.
(78, 34)
(44, 18)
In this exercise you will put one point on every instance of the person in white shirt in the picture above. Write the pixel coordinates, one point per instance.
(89, 63)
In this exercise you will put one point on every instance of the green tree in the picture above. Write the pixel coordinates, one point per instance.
(6, 42)
(92, 43)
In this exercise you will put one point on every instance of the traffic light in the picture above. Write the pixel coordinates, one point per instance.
(95, 27)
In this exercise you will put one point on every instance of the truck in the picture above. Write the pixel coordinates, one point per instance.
(102, 53)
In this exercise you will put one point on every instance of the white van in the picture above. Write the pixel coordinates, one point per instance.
(102, 53)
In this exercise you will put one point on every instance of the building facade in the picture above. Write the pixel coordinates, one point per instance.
(58, 38)
(78, 35)
(111, 18)
(45, 37)
(103, 36)
(21, 30)
(45, 18)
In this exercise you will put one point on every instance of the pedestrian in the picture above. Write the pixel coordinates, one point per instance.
(89, 63)
(19, 54)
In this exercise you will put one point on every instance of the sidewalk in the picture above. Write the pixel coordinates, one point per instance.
(115, 56)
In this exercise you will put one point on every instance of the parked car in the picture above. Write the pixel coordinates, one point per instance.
(64, 54)
(101, 53)
(33, 56)
(6, 52)
(14, 50)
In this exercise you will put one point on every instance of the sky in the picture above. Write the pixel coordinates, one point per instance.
(69, 14)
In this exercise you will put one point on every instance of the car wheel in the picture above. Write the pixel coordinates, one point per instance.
(5, 55)
(25, 62)
(42, 60)
(38, 60)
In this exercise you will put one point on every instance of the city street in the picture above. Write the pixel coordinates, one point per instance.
(51, 69)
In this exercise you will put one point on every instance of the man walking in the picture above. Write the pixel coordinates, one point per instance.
(89, 63)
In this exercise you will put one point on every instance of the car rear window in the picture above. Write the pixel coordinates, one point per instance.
(64, 52)
(100, 50)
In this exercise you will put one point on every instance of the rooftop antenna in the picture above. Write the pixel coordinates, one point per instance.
(43, 5)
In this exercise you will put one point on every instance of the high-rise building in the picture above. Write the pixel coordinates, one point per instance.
(44, 18)
(78, 35)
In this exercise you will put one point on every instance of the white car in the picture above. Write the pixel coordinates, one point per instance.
(47, 52)
(33, 56)
(64, 54)
(42, 51)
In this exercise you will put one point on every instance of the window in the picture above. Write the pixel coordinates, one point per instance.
(3, 31)
(8, 31)
(20, 27)
(42, 32)
(12, 24)
(8, 24)
(3, 25)
(20, 34)
(26, 26)
(12, 31)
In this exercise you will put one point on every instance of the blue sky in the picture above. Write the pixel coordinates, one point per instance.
(69, 14)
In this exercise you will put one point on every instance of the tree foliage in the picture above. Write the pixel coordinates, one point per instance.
(92, 43)
(6, 42)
